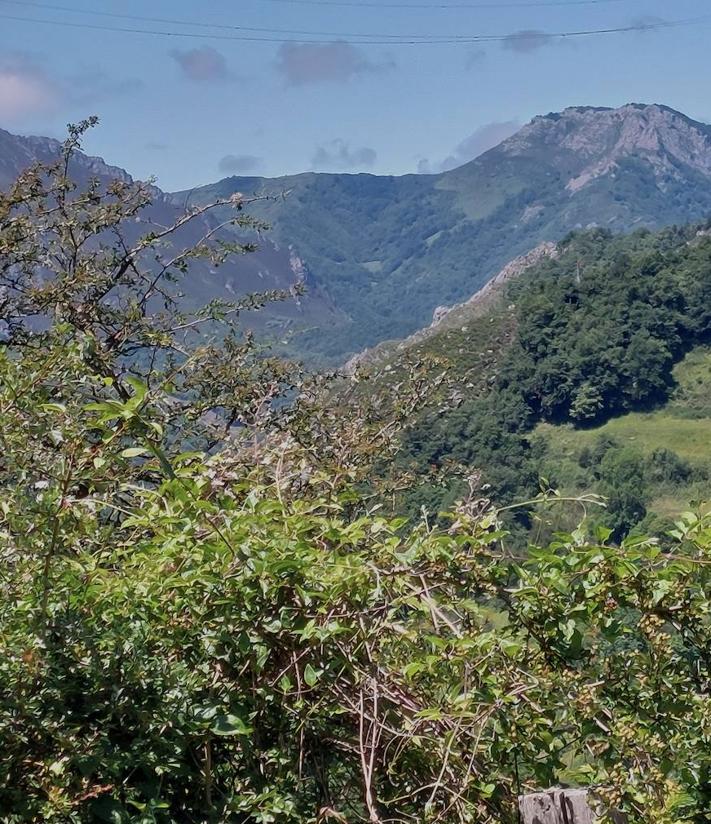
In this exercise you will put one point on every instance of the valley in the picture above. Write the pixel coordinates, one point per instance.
(379, 257)
(592, 347)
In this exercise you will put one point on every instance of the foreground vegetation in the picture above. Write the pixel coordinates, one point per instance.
(208, 615)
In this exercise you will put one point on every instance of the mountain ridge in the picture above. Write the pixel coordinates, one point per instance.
(271, 267)
(436, 239)
(447, 317)
(380, 253)
(17, 152)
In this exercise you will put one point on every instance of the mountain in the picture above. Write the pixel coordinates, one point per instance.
(389, 250)
(18, 153)
(271, 267)
(380, 254)
(450, 320)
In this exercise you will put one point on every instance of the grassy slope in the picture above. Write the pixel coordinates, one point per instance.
(683, 425)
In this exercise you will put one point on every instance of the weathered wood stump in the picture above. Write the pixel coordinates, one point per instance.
(557, 807)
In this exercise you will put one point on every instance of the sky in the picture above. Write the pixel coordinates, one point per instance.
(276, 87)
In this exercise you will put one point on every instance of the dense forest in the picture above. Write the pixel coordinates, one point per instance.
(598, 330)
(211, 609)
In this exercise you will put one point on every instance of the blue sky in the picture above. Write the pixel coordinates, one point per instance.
(190, 110)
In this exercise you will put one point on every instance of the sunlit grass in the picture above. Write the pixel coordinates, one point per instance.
(683, 425)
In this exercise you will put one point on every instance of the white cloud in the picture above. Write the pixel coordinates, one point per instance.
(478, 142)
(302, 64)
(28, 90)
(25, 90)
(338, 155)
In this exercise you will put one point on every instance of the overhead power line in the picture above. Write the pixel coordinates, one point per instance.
(505, 4)
(516, 4)
(203, 25)
(170, 21)
(416, 41)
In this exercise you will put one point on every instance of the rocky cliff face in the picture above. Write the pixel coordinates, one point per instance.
(461, 315)
(602, 138)
(18, 152)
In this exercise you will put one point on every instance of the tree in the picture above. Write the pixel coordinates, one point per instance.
(587, 404)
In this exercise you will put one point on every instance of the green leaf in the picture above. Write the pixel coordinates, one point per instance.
(139, 387)
(134, 452)
(311, 676)
(226, 725)
(510, 648)
(59, 408)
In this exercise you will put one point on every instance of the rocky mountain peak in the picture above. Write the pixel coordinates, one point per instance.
(600, 138)
(17, 152)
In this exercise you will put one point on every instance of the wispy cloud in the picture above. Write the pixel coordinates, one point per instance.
(302, 64)
(91, 85)
(527, 40)
(26, 89)
(646, 23)
(337, 155)
(474, 58)
(202, 65)
(478, 142)
(240, 164)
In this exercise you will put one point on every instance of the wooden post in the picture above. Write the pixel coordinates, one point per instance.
(556, 807)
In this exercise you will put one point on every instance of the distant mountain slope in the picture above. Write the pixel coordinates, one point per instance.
(272, 267)
(380, 254)
(450, 320)
(388, 250)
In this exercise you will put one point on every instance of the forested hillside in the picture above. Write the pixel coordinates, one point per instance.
(268, 267)
(586, 336)
(389, 250)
